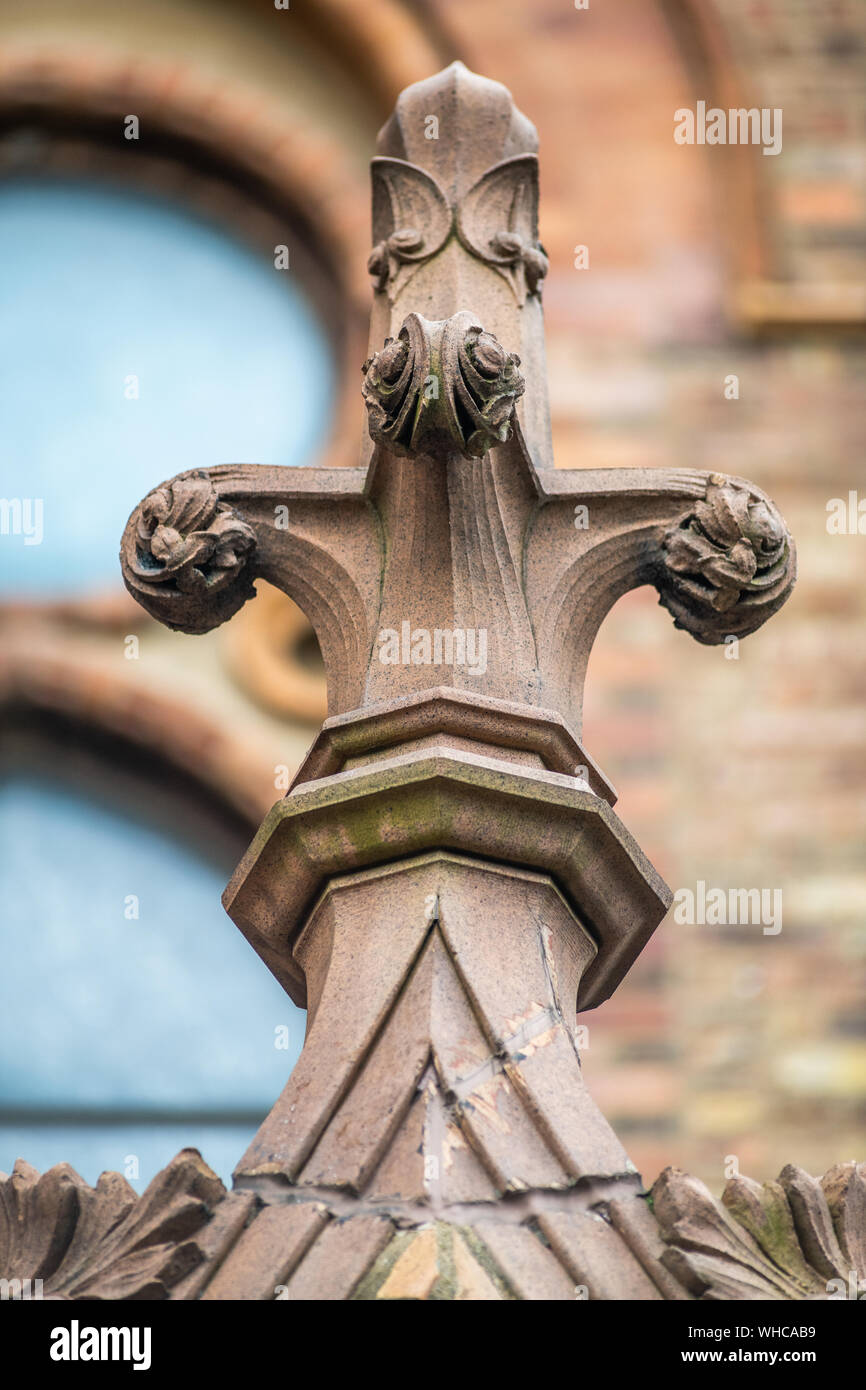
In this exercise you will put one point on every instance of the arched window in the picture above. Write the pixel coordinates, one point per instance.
(135, 1018)
(137, 339)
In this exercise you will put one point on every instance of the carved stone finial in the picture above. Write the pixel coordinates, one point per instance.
(446, 381)
(445, 882)
(729, 562)
(455, 225)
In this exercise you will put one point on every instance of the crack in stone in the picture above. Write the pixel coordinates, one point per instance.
(510, 1208)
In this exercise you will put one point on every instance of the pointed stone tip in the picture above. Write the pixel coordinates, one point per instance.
(477, 114)
(443, 80)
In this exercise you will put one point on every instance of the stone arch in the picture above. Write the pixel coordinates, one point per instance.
(706, 51)
(53, 695)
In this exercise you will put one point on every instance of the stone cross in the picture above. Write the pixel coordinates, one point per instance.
(446, 883)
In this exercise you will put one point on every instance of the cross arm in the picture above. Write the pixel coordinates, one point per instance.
(715, 547)
(193, 548)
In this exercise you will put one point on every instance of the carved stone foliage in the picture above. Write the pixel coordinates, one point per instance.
(497, 548)
(496, 221)
(412, 212)
(185, 554)
(715, 548)
(105, 1242)
(728, 563)
(186, 1238)
(797, 1237)
(191, 539)
(445, 382)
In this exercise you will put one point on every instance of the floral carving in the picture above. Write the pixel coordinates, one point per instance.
(485, 384)
(189, 538)
(795, 1238)
(412, 217)
(448, 381)
(729, 563)
(105, 1242)
(497, 544)
(395, 386)
(514, 250)
(384, 257)
(185, 555)
(496, 220)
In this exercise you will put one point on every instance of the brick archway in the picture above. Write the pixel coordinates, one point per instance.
(707, 54)
(46, 686)
(227, 158)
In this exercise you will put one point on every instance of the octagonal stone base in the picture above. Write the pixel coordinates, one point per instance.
(439, 797)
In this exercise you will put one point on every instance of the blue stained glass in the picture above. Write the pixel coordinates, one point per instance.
(98, 287)
(170, 1011)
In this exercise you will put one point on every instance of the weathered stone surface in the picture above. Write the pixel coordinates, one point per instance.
(442, 798)
(441, 384)
(595, 1257)
(476, 975)
(187, 1238)
(530, 1267)
(339, 1259)
(266, 1254)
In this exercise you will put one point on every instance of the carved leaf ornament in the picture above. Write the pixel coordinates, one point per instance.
(189, 538)
(407, 797)
(448, 379)
(731, 552)
(412, 202)
(796, 1238)
(105, 1242)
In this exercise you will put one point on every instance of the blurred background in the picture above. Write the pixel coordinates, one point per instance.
(145, 328)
